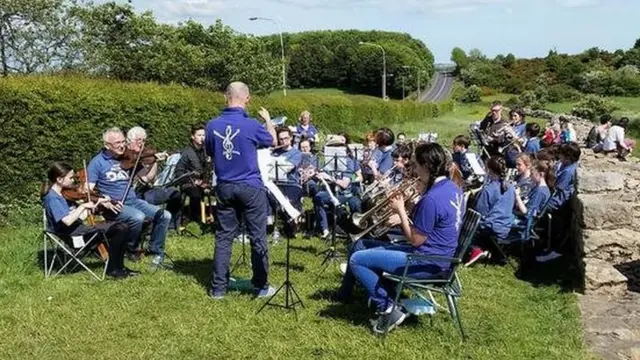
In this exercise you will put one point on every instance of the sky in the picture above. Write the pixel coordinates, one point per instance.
(526, 28)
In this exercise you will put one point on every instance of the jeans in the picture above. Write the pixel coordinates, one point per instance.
(369, 264)
(133, 214)
(235, 200)
(323, 199)
(169, 196)
(348, 280)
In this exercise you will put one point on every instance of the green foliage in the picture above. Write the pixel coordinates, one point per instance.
(336, 59)
(591, 107)
(63, 117)
(459, 57)
(471, 94)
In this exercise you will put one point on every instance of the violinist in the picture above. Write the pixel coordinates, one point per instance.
(66, 220)
(106, 174)
(194, 159)
(147, 171)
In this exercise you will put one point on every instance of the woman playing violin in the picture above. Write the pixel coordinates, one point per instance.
(66, 220)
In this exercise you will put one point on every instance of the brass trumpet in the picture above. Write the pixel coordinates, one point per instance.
(374, 220)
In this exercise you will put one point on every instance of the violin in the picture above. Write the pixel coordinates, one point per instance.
(79, 192)
(129, 157)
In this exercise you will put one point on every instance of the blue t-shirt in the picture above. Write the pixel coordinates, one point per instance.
(308, 160)
(533, 145)
(293, 156)
(56, 208)
(538, 197)
(438, 215)
(110, 179)
(565, 185)
(232, 140)
(383, 159)
(309, 133)
(520, 129)
(524, 184)
(352, 167)
(496, 208)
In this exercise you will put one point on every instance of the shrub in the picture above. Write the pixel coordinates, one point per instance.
(471, 94)
(47, 118)
(591, 107)
(562, 92)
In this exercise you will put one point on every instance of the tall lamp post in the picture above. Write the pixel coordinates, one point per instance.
(384, 68)
(411, 67)
(284, 70)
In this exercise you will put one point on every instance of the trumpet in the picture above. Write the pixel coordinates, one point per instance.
(374, 221)
(378, 185)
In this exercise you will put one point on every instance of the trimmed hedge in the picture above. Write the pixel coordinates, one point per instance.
(48, 118)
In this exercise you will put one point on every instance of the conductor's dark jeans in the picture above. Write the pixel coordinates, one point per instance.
(235, 200)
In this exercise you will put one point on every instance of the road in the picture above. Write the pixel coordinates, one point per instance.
(441, 88)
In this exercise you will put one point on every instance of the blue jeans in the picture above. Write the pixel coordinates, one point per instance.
(133, 213)
(348, 280)
(369, 264)
(235, 200)
(169, 196)
(323, 199)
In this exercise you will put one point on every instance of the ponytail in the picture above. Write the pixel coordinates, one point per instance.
(545, 168)
(498, 166)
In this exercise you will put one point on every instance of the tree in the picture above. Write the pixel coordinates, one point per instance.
(476, 55)
(459, 57)
(637, 44)
(37, 35)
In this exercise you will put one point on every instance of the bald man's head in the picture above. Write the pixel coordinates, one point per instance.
(237, 94)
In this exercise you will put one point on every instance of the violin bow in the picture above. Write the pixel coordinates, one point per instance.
(92, 220)
(133, 174)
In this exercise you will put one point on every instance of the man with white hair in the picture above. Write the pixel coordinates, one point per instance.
(107, 175)
(232, 140)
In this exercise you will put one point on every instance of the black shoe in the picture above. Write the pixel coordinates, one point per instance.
(118, 274)
(131, 272)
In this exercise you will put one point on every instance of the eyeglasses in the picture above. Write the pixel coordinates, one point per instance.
(121, 142)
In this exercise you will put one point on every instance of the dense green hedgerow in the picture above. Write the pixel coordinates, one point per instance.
(47, 118)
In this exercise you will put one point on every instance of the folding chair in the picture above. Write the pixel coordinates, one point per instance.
(449, 284)
(67, 250)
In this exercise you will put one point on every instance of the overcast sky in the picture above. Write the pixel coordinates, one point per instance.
(526, 28)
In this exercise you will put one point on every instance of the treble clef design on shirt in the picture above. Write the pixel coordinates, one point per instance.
(227, 143)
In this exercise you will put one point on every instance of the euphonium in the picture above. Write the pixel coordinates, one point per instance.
(374, 221)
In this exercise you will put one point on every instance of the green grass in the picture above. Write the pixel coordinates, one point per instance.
(168, 315)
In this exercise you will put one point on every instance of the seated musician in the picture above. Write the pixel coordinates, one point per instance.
(65, 220)
(495, 204)
(291, 187)
(598, 133)
(532, 142)
(401, 138)
(532, 203)
(523, 179)
(136, 138)
(343, 190)
(107, 176)
(559, 204)
(496, 130)
(194, 159)
(309, 166)
(382, 160)
(305, 130)
(432, 229)
(401, 157)
(517, 121)
(462, 157)
(369, 148)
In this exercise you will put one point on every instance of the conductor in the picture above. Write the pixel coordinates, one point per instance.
(232, 140)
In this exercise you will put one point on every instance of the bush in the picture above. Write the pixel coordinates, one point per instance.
(487, 91)
(592, 107)
(62, 118)
(562, 92)
(471, 94)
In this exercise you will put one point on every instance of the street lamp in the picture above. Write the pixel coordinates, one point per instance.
(384, 68)
(411, 67)
(284, 70)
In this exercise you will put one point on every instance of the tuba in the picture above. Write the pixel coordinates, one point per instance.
(374, 220)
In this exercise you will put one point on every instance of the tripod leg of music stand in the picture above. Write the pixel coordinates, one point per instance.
(268, 302)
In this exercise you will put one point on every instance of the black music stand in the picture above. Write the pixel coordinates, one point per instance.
(291, 297)
(242, 260)
(331, 254)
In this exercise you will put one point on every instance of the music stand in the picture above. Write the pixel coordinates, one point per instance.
(291, 297)
(331, 254)
(242, 260)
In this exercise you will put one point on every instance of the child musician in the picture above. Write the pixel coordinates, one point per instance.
(565, 187)
(462, 156)
(495, 203)
(543, 179)
(523, 179)
(432, 230)
(64, 220)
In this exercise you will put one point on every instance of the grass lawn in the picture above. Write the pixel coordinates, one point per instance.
(168, 315)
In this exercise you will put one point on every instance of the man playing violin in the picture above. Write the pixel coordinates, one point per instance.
(106, 174)
(147, 171)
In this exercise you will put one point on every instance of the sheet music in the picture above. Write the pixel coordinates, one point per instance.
(335, 159)
(475, 164)
(265, 163)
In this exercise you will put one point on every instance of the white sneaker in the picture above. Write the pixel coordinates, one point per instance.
(325, 234)
(269, 220)
(550, 256)
(343, 268)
